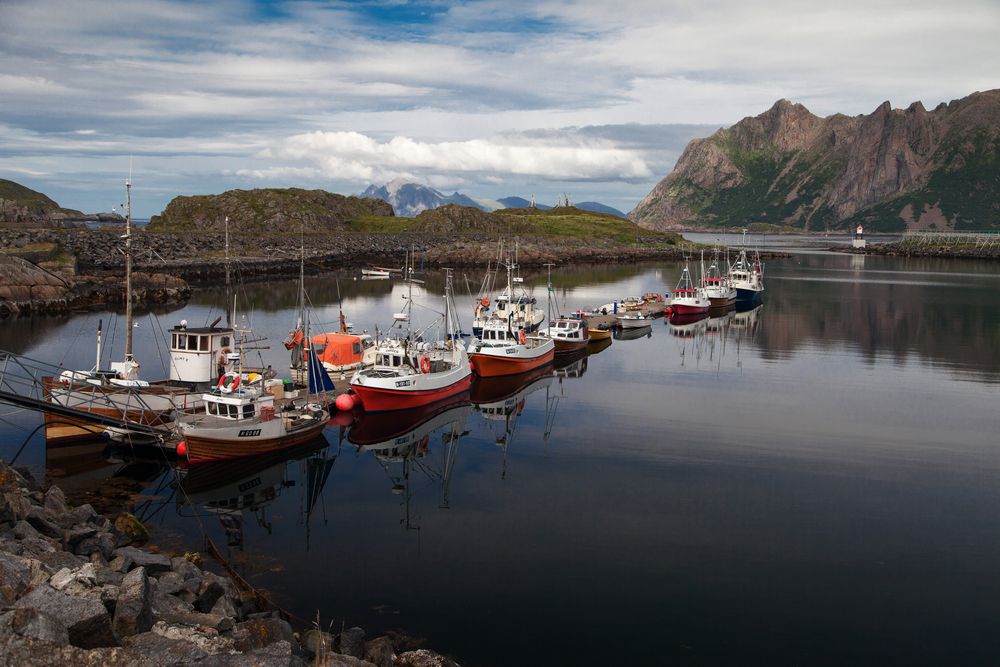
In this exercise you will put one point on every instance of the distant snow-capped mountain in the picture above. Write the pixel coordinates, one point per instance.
(410, 199)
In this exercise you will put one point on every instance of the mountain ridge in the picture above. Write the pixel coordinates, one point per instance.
(891, 170)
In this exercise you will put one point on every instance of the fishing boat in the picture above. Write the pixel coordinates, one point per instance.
(634, 320)
(688, 299)
(720, 293)
(198, 355)
(747, 276)
(409, 372)
(503, 350)
(513, 305)
(242, 419)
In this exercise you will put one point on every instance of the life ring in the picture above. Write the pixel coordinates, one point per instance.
(485, 301)
(522, 337)
(425, 364)
(229, 387)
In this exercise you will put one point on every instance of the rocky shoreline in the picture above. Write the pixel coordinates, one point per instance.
(77, 588)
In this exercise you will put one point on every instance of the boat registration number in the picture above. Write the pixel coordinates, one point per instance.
(511, 350)
(403, 383)
(249, 433)
(246, 486)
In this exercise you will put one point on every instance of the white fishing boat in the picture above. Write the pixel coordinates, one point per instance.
(717, 286)
(409, 372)
(747, 276)
(375, 273)
(513, 305)
(688, 299)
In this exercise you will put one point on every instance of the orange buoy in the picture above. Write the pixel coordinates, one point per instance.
(344, 403)
(182, 449)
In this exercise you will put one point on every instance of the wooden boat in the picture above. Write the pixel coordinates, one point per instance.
(567, 333)
(602, 332)
(241, 419)
(408, 373)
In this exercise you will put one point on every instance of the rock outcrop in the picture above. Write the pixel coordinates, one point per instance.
(890, 170)
(63, 603)
(25, 207)
(267, 210)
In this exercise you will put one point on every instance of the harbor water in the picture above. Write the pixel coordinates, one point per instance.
(816, 480)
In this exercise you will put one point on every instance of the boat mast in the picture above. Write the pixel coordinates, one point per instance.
(128, 267)
(229, 311)
(548, 294)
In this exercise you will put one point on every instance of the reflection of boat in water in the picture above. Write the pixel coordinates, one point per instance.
(596, 346)
(572, 365)
(633, 334)
(404, 437)
(747, 320)
(491, 390)
(390, 436)
(231, 489)
(503, 400)
(686, 326)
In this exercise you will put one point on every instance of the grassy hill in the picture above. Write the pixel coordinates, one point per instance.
(567, 222)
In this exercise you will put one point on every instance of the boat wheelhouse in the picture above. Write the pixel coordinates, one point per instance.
(501, 351)
(568, 334)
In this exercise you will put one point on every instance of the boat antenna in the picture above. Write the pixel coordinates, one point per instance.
(128, 264)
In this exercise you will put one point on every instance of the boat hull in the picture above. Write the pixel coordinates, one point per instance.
(599, 334)
(566, 346)
(688, 309)
(628, 323)
(382, 399)
(492, 365)
(749, 295)
(201, 449)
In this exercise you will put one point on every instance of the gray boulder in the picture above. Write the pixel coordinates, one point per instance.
(133, 608)
(318, 642)
(33, 623)
(139, 558)
(15, 577)
(424, 658)
(352, 642)
(380, 652)
(157, 650)
(86, 619)
(252, 635)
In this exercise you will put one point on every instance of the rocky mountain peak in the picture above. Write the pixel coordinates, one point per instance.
(789, 167)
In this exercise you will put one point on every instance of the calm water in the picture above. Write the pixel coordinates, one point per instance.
(815, 481)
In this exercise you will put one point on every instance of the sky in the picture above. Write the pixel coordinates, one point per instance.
(491, 98)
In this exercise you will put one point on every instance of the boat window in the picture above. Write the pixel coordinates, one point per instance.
(192, 342)
(224, 341)
(368, 343)
(319, 348)
(211, 408)
(181, 343)
(356, 348)
(203, 343)
(397, 361)
(234, 411)
(247, 411)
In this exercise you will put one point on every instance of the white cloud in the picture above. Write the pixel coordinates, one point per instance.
(356, 157)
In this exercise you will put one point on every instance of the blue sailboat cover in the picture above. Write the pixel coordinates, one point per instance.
(319, 380)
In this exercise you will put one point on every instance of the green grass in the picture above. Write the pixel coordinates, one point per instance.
(374, 224)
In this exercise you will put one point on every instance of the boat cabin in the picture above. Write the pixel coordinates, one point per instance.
(568, 330)
(237, 404)
(341, 351)
(197, 353)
